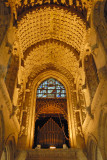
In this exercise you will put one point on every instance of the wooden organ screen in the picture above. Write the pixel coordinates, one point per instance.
(50, 134)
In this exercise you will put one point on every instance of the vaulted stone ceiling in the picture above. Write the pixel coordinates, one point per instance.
(50, 34)
(51, 23)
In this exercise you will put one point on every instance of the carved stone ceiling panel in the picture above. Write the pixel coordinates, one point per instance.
(54, 54)
(51, 23)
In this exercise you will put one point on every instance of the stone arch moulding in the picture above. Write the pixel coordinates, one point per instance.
(36, 83)
(10, 146)
(11, 138)
(94, 151)
(92, 147)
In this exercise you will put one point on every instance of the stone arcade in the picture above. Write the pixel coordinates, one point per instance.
(53, 79)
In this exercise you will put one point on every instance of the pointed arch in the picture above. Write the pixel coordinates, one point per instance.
(32, 103)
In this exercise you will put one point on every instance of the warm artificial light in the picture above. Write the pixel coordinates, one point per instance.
(52, 147)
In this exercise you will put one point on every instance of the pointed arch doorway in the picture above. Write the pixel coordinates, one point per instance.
(33, 104)
(51, 123)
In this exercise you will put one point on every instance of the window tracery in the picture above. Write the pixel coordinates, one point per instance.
(51, 88)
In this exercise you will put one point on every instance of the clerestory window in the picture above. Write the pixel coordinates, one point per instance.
(51, 88)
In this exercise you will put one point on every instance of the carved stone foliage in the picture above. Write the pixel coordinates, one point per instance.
(91, 74)
(11, 75)
(4, 20)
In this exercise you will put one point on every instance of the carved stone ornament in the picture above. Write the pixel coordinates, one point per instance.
(17, 6)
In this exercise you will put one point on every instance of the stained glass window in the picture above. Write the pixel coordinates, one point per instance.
(51, 88)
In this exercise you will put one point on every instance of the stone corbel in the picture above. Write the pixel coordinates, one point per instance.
(88, 109)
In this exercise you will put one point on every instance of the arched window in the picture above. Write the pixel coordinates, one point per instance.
(51, 88)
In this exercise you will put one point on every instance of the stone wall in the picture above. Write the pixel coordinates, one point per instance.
(4, 20)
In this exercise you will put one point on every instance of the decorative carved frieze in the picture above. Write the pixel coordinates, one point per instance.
(55, 106)
(19, 6)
